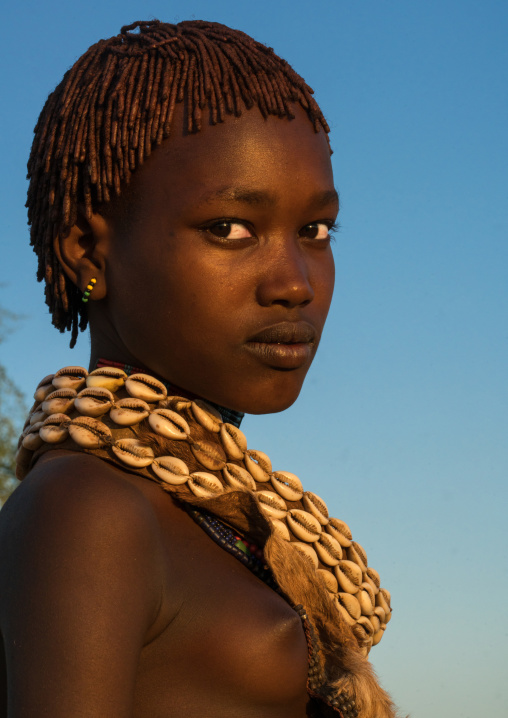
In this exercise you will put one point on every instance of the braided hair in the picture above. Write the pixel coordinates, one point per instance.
(117, 103)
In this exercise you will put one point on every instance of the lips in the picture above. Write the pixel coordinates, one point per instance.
(286, 345)
(286, 333)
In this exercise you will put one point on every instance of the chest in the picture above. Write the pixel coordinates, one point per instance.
(229, 632)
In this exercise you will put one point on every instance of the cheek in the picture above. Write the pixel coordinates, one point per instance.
(325, 282)
(332, 279)
(195, 295)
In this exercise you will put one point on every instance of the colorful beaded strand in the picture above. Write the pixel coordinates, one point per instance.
(88, 290)
(247, 553)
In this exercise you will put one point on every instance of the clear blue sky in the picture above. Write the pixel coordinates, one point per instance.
(402, 425)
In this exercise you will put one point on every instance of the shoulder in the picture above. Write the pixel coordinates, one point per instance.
(77, 489)
(75, 515)
(82, 576)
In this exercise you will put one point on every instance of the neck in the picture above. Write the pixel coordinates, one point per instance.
(228, 415)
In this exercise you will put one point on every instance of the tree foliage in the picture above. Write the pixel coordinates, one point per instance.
(12, 412)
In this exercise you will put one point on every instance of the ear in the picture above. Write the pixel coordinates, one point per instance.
(83, 253)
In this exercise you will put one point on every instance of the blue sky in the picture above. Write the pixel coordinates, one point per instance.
(402, 424)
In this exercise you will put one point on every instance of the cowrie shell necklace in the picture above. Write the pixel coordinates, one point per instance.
(102, 413)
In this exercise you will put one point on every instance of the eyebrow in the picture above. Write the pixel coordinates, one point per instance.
(245, 195)
(323, 199)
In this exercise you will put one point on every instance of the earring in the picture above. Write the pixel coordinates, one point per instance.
(88, 290)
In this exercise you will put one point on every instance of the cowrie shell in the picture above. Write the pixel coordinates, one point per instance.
(258, 465)
(365, 602)
(307, 552)
(380, 613)
(377, 636)
(233, 441)
(366, 625)
(133, 453)
(108, 377)
(349, 576)
(344, 613)
(350, 603)
(209, 455)
(169, 424)
(386, 593)
(204, 485)
(357, 554)
(287, 485)
(316, 506)
(21, 437)
(37, 415)
(271, 504)
(374, 576)
(365, 586)
(280, 528)
(375, 623)
(368, 581)
(59, 401)
(382, 602)
(361, 634)
(70, 377)
(32, 440)
(55, 429)
(238, 478)
(176, 403)
(145, 387)
(128, 412)
(94, 402)
(171, 470)
(304, 525)
(89, 433)
(330, 581)
(207, 416)
(44, 387)
(340, 531)
(328, 549)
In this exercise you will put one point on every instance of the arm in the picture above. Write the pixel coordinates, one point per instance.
(81, 576)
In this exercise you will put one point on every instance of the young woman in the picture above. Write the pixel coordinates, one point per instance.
(152, 565)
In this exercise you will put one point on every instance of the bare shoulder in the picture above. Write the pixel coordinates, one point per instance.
(73, 511)
(77, 496)
(82, 576)
(72, 477)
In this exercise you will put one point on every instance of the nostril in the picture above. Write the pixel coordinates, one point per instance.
(290, 287)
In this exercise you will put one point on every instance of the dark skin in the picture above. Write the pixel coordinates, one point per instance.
(119, 605)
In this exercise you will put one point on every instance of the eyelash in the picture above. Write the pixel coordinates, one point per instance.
(332, 227)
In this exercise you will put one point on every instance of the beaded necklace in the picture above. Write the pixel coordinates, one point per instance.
(228, 415)
(245, 551)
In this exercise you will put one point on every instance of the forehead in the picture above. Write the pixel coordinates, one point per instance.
(249, 153)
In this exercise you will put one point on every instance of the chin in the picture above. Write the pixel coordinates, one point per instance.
(270, 401)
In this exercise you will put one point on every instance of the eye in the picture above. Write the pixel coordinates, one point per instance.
(229, 230)
(317, 230)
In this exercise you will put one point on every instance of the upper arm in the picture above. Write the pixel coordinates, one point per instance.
(81, 584)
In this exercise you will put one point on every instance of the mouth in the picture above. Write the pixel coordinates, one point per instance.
(286, 345)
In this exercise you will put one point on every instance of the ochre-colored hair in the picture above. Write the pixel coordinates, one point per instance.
(117, 103)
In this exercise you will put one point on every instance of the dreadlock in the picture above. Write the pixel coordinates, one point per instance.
(117, 102)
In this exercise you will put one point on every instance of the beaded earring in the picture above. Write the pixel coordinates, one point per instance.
(88, 289)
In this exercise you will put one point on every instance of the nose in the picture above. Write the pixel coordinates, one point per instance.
(285, 278)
